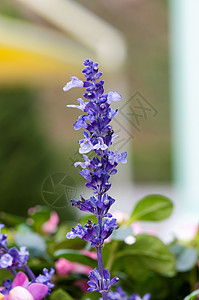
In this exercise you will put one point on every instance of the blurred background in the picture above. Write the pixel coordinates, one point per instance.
(41, 45)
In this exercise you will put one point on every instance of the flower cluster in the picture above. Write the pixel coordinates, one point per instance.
(100, 283)
(98, 137)
(11, 258)
(45, 279)
(93, 233)
(121, 295)
(21, 287)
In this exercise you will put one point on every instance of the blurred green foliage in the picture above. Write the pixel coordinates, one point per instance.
(25, 158)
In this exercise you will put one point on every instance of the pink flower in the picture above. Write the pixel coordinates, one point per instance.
(64, 267)
(82, 269)
(138, 229)
(186, 231)
(22, 289)
(51, 225)
(91, 254)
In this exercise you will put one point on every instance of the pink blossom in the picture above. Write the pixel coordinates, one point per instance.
(138, 229)
(19, 293)
(91, 254)
(186, 231)
(51, 225)
(64, 267)
(22, 289)
(82, 269)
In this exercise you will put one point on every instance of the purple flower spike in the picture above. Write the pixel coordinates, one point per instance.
(75, 82)
(98, 137)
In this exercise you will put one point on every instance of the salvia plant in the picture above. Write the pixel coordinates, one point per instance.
(98, 137)
(23, 287)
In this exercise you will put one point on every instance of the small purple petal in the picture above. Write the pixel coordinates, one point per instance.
(113, 96)
(75, 82)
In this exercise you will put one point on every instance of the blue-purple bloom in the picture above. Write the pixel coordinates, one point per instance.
(93, 233)
(11, 258)
(119, 294)
(98, 137)
(94, 205)
(3, 239)
(7, 287)
(137, 297)
(45, 278)
(98, 283)
(75, 82)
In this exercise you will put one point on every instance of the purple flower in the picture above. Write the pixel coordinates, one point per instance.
(81, 106)
(116, 157)
(137, 297)
(45, 279)
(113, 96)
(100, 144)
(6, 261)
(118, 295)
(19, 257)
(83, 164)
(95, 206)
(81, 123)
(92, 233)
(100, 284)
(75, 82)
(3, 238)
(23, 254)
(98, 137)
(7, 287)
(85, 144)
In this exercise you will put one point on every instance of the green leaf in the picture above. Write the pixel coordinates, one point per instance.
(5, 274)
(150, 253)
(10, 220)
(152, 208)
(192, 296)
(186, 257)
(91, 296)
(40, 217)
(121, 233)
(61, 295)
(76, 256)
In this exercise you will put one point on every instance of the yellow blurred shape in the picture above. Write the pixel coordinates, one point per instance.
(19, 65)
(1, 296)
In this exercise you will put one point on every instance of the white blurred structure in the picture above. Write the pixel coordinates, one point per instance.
(104, 40)
(184, 22)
